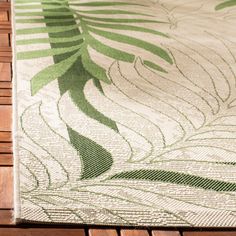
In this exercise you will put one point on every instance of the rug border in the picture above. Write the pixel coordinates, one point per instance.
(16, 214)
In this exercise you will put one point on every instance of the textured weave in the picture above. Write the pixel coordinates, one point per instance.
(125, 112)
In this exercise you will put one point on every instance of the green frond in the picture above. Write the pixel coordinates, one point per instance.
(113, 12)
(122, 20)
(154, 66)
(43, 13)
(125, 27)
(92, 68)
(51, 29)
(110, 51)
(49, 40)
(52, 72)
(62, 20)
(40, 1)
(105, 4)
(135, 42)
(57, 15)
(229, 3)
(177, 178)
(91, 167)
(39, 6)
(46, 52)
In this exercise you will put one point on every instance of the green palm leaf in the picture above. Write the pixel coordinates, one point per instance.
(229, 3)
(43, 13)
(46, 52)
(109, 51)
(122, 20)
(125, 27)
(92, 167)
(105, 4)
(113, 12)
(49, 40)
(52, 72)
(95, 70)
(51, 20)
(135, 42)
(53, 29)
(55, 12)
(154, 66)
(45, 6)
(177, 178)
(40, 1)
(74, 65)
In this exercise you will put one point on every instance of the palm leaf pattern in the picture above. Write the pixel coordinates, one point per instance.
(169, 137)
(70, 42)
(86, 26)
(226, 4)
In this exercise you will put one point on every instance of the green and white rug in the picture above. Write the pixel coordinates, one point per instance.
(125, 112)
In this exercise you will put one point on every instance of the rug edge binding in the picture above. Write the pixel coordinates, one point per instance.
(16, 214)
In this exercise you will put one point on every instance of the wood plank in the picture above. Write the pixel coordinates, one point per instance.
(210, 233)
(8, 23)
(5, 49)
(103, 232)
(5, 59)
(5, 148)
(5, 6)
(4, 40)
(5, 53)
(5, 118)
(5, 71)
(5, 137)
(5, 85)
(165, 233)
(6, 160)
(131, 232)
(6, 187)
(3, 15)
(6, 217)
(5, 92)
(5, 101)
(5, 24)
(41, 232)
(4, 30)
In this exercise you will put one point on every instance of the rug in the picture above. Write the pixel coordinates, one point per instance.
(125, 112)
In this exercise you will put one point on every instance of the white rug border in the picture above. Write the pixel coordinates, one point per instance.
(16, 176)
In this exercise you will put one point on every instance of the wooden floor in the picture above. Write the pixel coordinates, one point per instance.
(7, 227)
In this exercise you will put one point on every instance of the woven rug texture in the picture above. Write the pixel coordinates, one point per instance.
(125, 112)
